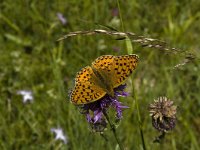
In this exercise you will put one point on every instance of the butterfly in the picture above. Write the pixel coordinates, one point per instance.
(106, 73)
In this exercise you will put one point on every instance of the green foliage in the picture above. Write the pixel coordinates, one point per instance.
(32, 59)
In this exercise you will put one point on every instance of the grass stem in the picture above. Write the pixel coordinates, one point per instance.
(139, 117)
(112, 126)
(140, 124)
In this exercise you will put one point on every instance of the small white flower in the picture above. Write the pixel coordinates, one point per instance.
(59, 134)
(27, 95)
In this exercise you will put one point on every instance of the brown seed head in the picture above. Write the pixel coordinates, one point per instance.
(163, 114)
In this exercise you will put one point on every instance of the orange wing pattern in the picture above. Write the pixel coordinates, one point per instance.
(123, 67)
(85, 91)
(118, 67)
(108, 69)
(104, 62)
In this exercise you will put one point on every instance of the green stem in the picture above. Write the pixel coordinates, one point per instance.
(139, 118)
(122, 23)
(159, 138)
(120, 16)
(113, 130)
(140, 125)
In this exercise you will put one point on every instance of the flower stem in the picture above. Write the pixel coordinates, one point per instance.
(113, 130)
(159, 138)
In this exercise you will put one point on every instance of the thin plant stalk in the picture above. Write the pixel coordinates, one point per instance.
(113, 130)
(120, 16)
(139, 118)
(137, 105)
(140, 125)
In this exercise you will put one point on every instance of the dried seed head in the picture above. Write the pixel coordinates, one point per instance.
(163, 114)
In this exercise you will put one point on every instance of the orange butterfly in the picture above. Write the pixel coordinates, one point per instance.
(106, 73)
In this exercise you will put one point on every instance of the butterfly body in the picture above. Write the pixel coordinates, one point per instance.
(104, 81)
(106, 73)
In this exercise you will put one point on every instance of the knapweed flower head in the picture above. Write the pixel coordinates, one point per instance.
(27, 95)
(163, 113)
(59, 135)
(95, 111)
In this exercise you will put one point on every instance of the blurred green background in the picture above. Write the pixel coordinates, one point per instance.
(31, 59)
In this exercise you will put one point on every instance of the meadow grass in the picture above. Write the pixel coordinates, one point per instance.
(32, 59)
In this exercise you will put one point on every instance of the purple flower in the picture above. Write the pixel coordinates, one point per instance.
(116, 49)
(95, 111)
(115, 12)
(62, 19)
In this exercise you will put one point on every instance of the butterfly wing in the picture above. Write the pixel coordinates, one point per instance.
(115, 69)
(107, 72)
(103, 68)
(85, 91)
(123, 67)
(104, 62)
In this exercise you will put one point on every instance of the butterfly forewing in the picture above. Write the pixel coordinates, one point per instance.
(85, 91)
(116, 68)
(123, 67)
(104, 62)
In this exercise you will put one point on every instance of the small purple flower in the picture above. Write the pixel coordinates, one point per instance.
(59, 134)
(116, 49)
(115, 12)
(95, 111)
(27, 95)
(62, 19)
